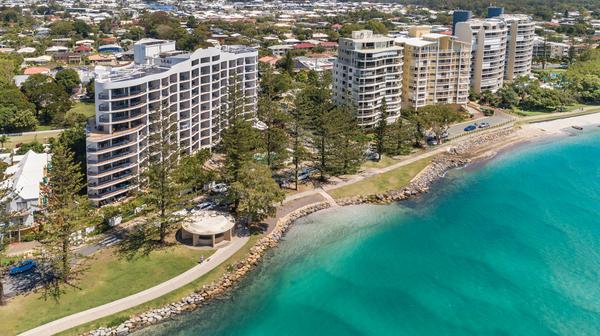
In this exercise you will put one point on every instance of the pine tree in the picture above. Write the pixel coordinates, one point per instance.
(274, 137)
(345, 141)
(162, 192)
(64, 214)
(399, 136)
(380, 131)
(238, 138)
(314, 103)
(6, 194)
(296, 134)
(256, 193)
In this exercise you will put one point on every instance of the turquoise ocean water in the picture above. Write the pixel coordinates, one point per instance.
(511, 247)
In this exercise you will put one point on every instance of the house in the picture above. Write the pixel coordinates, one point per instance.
(270, 60)
(102, 59)
(317, 64)
(36, 71)
(82, 49)
(303, 46)
(25, 177)
(26, 50)
(56, 50)
(38, 60)
(20, 79)
(329, 45)
(84, 42)
(280, 50)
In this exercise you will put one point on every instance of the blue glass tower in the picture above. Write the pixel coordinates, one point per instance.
(460, 16)
(495, 11)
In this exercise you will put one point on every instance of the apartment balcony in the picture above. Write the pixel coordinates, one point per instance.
(114, 191)
(116, 178)
(106, 159)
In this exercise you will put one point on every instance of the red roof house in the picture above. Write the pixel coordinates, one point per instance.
(329, 45)
(304, 46)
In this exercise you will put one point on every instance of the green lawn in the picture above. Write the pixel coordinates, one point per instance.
(384, 162)
(215, 274)
(107, 279)
(527, 113)
(42, 138)
(392, 180)
(88, 109)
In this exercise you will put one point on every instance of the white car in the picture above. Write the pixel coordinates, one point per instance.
(205, 206)
(220, 187)
(181, 213)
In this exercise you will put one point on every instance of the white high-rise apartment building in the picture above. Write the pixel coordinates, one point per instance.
(519, 48)
(436, 68)
(190, 87)
(367, 72)
(488, 40)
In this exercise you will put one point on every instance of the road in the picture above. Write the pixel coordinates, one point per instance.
(497, 119)
(71, 321)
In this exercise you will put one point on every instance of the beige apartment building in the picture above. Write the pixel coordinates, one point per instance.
(368, 71)
(436, 68)
(519, 47)
(488, 40)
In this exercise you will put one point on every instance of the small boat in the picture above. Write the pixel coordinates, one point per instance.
(579, 128)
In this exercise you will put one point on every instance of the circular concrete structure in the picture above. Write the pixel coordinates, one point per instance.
(208, 228)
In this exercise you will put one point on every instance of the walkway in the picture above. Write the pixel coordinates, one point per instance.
(71, 321)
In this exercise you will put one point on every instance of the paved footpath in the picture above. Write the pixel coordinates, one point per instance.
(149, 294)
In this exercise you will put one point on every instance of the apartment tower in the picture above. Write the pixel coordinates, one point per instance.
(488, 40)
(519, 47)
(190, 89)
(368, 71)
(436, 68)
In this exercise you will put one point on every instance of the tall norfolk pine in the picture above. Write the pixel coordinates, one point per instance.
(64, 214)
(335, 135)
(6, 196)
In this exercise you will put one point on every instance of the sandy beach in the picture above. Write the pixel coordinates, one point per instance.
(565, 125)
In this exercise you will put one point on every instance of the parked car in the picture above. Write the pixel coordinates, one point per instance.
(22, 267)
(371, 155)
(470, 128)
(181, 213)
(205, 206)
(305, 173)
(484, 125)
(220, 188)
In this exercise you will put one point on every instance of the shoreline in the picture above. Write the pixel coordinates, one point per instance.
(473, 151)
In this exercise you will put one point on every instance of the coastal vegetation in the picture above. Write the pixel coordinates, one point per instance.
(394, 179)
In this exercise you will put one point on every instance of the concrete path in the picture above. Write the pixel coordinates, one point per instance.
(327, 197)
(149, 294)
(323, 191)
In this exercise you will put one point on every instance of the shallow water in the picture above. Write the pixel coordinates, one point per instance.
(508, 248)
